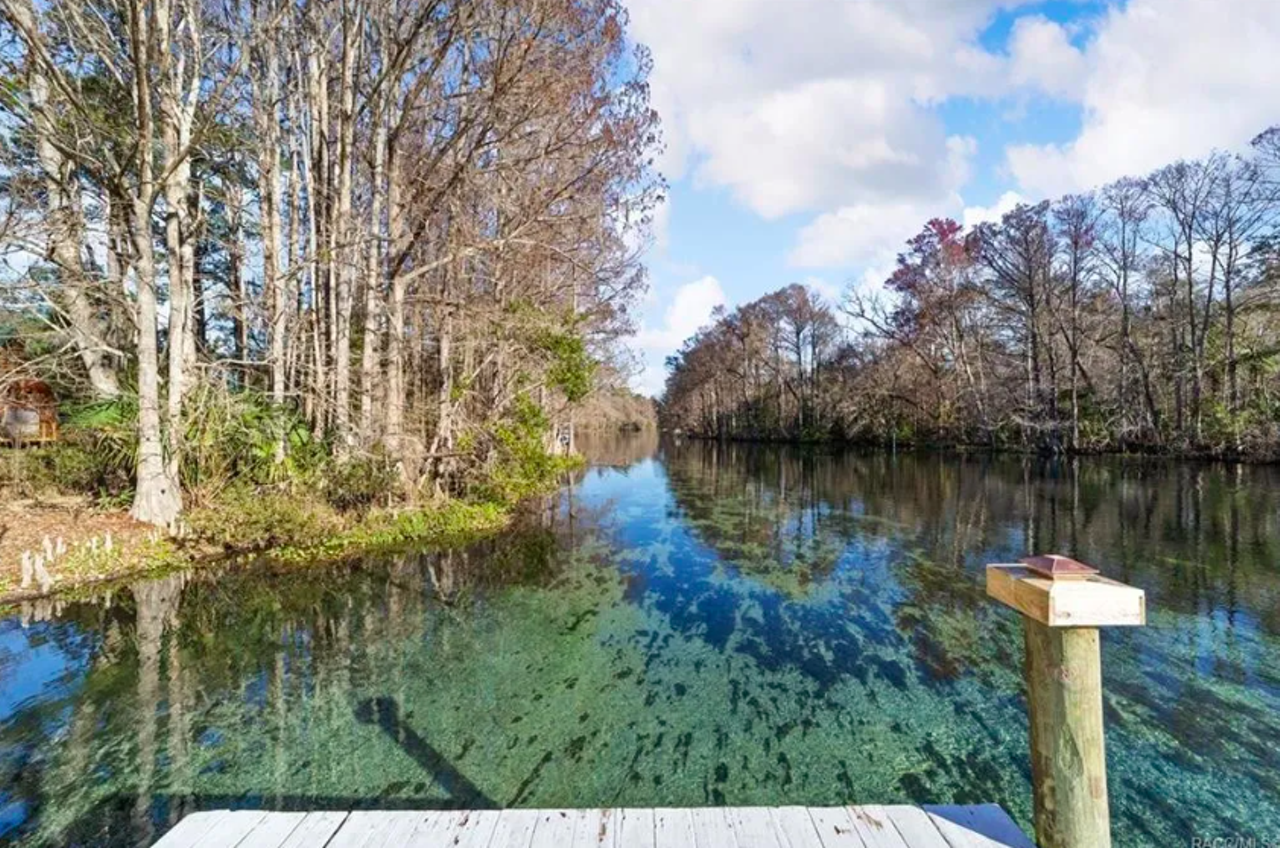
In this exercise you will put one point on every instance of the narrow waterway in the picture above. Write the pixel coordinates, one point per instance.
(684, 624)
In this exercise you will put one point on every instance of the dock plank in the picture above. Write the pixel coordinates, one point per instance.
(753, 827)
(555, 828)
(635, 828)
(515, 829)
(915, 827)
(233, 829)
(977, 826)
(871, 826)
(672, 826)
(272, 830)
(367, 829)
(795, 827)
(593, 828)
(316, 829)
(460, 829)
(835, 828)
(189, 831)
(402, 828)
(710, 828)
(434, 827)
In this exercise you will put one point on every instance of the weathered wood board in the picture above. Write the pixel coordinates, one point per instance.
(982, 826)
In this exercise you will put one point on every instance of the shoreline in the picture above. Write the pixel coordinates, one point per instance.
(88, 565)
(1144, 453)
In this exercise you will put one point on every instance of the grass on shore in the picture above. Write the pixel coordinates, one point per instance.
(62, 502)
(272, 527)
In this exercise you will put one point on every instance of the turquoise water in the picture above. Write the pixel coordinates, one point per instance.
(684, 624)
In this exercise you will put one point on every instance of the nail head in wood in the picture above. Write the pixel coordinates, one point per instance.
(1080, 600)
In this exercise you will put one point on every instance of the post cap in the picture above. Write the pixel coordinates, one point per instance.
(1060, 592)
(1058, 567)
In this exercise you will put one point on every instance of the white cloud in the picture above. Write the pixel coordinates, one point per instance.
(975, 215)
(806, 107)
(689, 310)
(872, 278)
(829, 291)
(1043, 57)
(1162, 80)
(860, 234)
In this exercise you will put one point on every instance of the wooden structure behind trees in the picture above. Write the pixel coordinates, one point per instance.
(28, 405)
(28, 412)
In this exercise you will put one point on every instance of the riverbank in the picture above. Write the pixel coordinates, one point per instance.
(88, 546)
(1260, 454)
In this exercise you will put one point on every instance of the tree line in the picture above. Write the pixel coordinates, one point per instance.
(1141, 316)
(411, 224)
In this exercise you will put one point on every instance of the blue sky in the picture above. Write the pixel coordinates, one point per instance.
(806, 139)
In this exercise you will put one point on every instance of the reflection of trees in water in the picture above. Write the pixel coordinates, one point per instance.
(137, 740)
(1191, 693)
(614, 448)
(1200, 538)
(1194, 535)
(758, 510)
(786, 516)
(217, 689)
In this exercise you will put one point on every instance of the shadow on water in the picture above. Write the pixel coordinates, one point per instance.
(127, 819)
(385, 713)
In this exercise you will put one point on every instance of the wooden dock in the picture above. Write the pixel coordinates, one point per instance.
(981, 826)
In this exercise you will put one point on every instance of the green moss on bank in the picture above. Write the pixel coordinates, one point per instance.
(448, 524)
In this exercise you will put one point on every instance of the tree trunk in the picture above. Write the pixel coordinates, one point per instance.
(397, 230)
(370, 350)
(157, 498)
(343, 231)
(65, 222)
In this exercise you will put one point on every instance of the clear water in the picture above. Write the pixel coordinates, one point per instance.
(684, 625)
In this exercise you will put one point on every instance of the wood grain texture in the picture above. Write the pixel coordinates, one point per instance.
(188, 832)
(752, 827)
(874, 824)
(673, 826)
(835, 828)
(794, 826)
(1093, 602)
(703, 827)
(1063, 668)
(914, 828)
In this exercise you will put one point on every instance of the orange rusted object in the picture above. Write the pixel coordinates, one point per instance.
(1058, 567)
(28, 412)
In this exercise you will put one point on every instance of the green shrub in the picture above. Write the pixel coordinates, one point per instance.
(521, 466)
(242, 438)
(73, 467)
(571, 369)
(248, 519)
(358, 483)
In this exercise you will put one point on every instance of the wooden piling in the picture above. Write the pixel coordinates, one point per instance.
(1063, 603)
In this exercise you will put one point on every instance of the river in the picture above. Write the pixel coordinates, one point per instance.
(684, 624)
